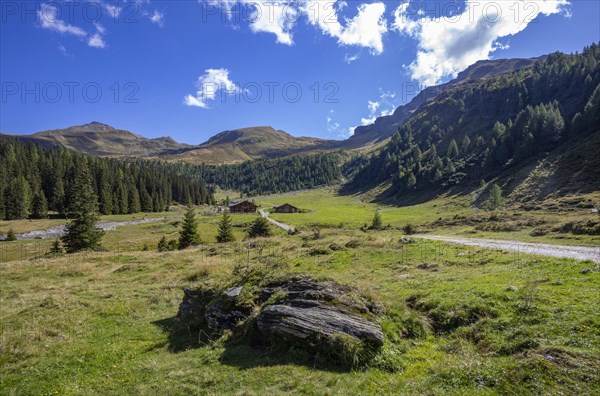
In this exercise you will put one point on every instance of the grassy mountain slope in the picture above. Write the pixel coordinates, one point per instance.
(535, 129)
(385, 126)
(250, 143)
(103, 140)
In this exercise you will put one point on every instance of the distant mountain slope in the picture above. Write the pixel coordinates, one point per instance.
(385, 126)
(534, 131)
(251, 143)
(103, 140)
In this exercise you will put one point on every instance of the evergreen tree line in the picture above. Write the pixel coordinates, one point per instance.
(271, 176)
(35, 180)
(478, 129)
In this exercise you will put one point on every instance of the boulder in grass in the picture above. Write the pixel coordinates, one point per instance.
(299, 311)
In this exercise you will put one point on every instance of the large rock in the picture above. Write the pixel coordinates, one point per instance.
(299, 311)
(309, 324)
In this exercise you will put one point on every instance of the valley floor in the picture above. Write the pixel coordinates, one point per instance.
(459, 319)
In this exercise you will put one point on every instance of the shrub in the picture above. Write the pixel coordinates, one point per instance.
(259, 228)
(57, 247)
(377, 223)
(10, 236)
(162, 244)
(409, 229)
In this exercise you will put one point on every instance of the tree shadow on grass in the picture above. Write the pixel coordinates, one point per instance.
(243, 354)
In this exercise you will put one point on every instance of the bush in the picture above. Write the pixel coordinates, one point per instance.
(57, 247)
(162, 244)
(259, 228)
(10, 236)
(409, 229)
(377, 223)
(165, 246)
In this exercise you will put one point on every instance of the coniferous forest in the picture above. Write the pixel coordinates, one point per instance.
(36, 180)
(268, 176)
(528, 113)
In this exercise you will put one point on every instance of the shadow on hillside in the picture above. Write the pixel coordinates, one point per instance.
(242, 354)
(409, 198)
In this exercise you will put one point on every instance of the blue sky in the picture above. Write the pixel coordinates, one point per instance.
(191, 69)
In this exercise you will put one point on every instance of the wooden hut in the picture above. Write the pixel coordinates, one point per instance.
(286, 208)
(243, 207)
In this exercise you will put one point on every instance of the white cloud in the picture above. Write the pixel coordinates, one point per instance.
(334, 128)
(114, 10)
(63, 50)
(96, 41)
(383, 106)
(264, 16)
(366, 29)
(48, 15)
(212, 82)
(449, 44)
(158, 18)
(277, 18)
(351, 58)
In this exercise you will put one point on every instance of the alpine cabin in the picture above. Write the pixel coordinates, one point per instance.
(243, 207)
(286, 208)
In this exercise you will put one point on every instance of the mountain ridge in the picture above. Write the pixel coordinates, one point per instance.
(385, 126)
(249, 143)
(103, 140)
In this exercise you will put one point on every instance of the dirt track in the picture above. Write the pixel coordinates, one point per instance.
(543, 249)
(279, 224)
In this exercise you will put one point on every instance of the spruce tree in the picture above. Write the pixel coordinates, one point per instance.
(162, 244)
(17, 199)
(57, 247)
(452, 149)
(225, 229)
(466, 143)
(259, 228)
(133, 202)
(411, 180)
(188, 236)
(377, 223)
(39, 206)
(81, 232)
(495, 199)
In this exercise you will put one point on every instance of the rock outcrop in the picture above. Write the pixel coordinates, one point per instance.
(299, 311)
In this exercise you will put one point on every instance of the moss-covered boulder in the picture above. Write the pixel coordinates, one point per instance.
(298, 311)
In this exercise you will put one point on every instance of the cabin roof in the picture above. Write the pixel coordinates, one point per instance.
(231, 205)
(286, 204)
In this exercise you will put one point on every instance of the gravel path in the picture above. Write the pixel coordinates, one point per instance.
(284, 226)
(543, 249)
(56, 232)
